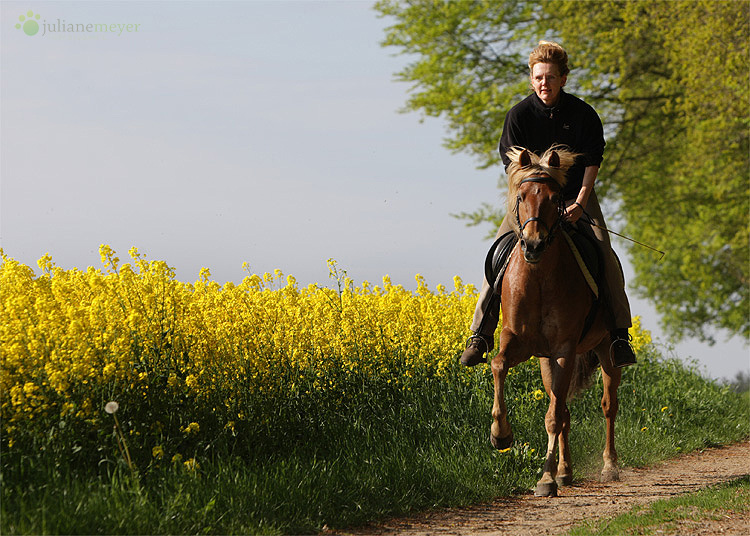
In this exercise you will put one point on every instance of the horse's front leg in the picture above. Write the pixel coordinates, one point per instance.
(556, 375)
(501, 435)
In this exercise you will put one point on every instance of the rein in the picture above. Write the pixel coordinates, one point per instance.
(560, 211)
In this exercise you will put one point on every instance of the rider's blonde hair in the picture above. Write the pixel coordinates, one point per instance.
(549, 52)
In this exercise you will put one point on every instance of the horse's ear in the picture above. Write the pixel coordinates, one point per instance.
(524, 159)
(554, 159)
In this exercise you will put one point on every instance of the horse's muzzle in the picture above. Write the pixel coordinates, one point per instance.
(532, 249)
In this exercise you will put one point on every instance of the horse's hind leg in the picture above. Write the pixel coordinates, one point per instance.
(556, 375)
(564, 476)
(611, 377)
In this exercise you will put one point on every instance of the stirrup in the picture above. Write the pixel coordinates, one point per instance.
(473, 354)
(621, 346)
(476, 336)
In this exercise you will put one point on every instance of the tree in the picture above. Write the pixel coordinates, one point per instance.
(669, 81)
(741, 382)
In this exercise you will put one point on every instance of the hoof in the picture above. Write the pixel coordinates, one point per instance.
(546, 489)
(501, 443)
(610, 475)
(564, 480)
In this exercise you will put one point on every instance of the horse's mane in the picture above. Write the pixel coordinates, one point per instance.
(525, 164)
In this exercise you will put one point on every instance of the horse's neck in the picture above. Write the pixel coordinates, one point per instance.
(548, 275)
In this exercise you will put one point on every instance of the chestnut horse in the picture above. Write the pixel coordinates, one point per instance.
(545, 302)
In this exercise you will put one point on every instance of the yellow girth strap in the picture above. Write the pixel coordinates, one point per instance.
(584, 269)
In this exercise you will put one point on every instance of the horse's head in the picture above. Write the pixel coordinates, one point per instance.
(535, 196)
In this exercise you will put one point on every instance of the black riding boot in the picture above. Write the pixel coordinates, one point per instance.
(620, 350)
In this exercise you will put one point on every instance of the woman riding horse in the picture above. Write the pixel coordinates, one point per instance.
(548, 117)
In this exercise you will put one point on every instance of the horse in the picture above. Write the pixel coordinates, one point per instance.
(545, 302)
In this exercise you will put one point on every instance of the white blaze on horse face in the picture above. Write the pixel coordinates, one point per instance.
(538, 216)
(532, 205)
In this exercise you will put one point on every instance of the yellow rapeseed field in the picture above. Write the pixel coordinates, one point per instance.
(72, 339)
(66, 333)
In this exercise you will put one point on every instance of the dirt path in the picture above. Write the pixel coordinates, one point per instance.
(524, 515)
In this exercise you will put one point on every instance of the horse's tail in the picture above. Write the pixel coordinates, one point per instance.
(583, 373)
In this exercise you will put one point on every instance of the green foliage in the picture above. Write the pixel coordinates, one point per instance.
(741, 382)
(669, 80)
(679, 157)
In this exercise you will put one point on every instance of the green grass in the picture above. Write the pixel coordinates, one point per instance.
(342, 459)
(667, 516)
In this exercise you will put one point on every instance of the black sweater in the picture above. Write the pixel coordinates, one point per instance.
(572, 122)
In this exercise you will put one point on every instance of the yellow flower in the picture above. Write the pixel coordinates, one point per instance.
(664, 409)
(177, 458)
(108, 370)
(157, 452)
(192, 428)
(191, 464)
(191, 381)
(644, 428)
(538, 394)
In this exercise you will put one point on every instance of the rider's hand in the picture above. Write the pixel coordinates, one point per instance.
(573, 213)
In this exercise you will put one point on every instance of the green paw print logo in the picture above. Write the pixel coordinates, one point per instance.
(28, 23)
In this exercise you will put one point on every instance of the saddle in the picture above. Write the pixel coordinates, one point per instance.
(584, 248)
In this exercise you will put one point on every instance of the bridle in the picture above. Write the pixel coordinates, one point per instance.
(555, 225)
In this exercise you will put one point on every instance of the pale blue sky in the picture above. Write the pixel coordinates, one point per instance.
(225, 132)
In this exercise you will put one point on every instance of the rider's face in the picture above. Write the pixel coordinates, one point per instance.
(547, 82)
